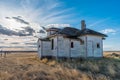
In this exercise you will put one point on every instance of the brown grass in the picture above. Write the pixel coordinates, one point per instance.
(30, 67)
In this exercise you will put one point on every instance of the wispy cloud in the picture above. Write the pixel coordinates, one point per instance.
(27, 31)
(98, 22)
(17, 14)
(5, 31)
(107, 31)
(18, 19)
(24, 18)
(48, 11)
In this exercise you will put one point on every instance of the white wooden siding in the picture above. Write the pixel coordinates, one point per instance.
(39, 48)
(83, 47)
(90, 49)
(63, 47)
(96, 51)
(55, 50)
(75, 51)
(46, 48)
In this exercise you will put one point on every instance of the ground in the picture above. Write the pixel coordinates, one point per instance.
(27, 66)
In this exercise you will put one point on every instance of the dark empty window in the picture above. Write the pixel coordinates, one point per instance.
(52, 44)
(39, 46)
(72, 44)
(98, 45)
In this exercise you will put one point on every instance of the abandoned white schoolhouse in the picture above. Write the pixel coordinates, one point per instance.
(70, 42)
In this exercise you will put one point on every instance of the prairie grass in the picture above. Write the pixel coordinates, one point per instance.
(30, 67)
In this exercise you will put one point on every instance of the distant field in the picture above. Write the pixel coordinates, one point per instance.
(110, 52)
(27, 66)
(105, 52)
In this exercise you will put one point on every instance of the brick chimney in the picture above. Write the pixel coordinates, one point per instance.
(83, 25)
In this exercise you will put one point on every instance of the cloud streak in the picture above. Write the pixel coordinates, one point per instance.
(20, 20)
(108, 31)
(5, 31)
(27, 31)
(99, 22)
(24, 18)
(41, 13)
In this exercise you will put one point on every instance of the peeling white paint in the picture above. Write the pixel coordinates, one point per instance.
(62, 47)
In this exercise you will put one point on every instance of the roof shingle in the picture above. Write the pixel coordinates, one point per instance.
(68, 31)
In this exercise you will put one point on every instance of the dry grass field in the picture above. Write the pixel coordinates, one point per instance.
(27, 66)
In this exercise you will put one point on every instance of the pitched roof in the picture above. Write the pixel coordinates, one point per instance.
(44, 39)
(73, 32)
(69, 31)
(53, 29)
(91, 32)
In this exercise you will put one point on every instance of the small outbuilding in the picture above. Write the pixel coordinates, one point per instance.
(71, 43)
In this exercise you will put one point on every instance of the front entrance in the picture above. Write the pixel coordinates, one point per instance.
(90, 52)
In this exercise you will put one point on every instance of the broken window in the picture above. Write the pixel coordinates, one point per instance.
(98, 45)
(52, 44)
(72, 44)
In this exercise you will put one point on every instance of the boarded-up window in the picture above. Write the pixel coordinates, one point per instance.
(72, 44)
(52, 44)
(98, 45)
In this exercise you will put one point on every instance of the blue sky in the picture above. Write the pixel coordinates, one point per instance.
(26, 16)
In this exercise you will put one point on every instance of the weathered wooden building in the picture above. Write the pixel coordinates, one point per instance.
(71, 43)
